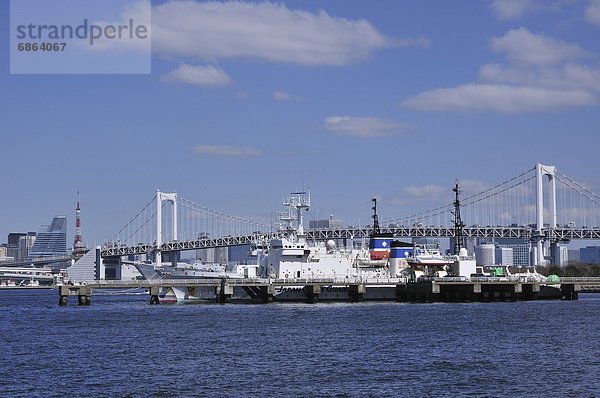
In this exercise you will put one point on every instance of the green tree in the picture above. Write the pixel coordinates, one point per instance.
(554, 270)
(572, 270)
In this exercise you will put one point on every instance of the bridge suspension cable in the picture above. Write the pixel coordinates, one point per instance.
(125, 234)
(475, 216)
(579, 208)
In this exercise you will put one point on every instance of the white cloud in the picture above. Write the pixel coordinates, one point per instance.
(592, 12)
(523, 47)
(510, 9)
(241, 95)
(569, 76)
(417, 194)
(269, 31)
(225, 150)
(364, 126)
(199, 75)
(541, 77)
(499, 98)
(283, 96)
(424, 191)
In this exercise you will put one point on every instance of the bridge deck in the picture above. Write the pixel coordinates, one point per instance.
(525, 232)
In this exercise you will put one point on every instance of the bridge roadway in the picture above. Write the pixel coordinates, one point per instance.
(554, 235)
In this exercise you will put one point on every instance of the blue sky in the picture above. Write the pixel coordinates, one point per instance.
(246, 100)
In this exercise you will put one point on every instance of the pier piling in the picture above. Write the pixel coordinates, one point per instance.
(312, 292)
(223, 292)
(154, 290)
(357, 293)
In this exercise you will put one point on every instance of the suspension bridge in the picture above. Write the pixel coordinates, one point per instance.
(541, 206)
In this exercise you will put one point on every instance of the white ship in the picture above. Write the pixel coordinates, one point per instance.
(196, 270)
(300, 262)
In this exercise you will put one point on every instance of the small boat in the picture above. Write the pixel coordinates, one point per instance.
(428, 256)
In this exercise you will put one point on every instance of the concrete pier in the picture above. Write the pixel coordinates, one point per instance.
(154, 291)
(224, 292)
(312, 292)
(266, 290)
(83, 293)
(357, 292)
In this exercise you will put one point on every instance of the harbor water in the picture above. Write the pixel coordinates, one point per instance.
(122, 346)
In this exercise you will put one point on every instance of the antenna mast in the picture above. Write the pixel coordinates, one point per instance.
(376, 229)
(458, 224)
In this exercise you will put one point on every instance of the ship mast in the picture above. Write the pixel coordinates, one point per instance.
(299, 201)
(458, 224)
(376, 229)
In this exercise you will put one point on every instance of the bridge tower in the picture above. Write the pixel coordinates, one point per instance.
(540, 172)
(160, 198)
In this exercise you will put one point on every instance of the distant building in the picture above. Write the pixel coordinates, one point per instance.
(25, 244)
(426, 241)
(504, 256)
(485, 254)
(561, 256)
(590, 255)
(12, 247)
(469, 244)
(330, 223)
(213, 255)
(574, 256)
(52, 240)
(521, 249)
(3, 257)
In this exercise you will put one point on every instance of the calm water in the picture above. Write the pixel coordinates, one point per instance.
(121, 346)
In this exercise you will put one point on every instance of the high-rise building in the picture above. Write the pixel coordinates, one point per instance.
(561, 256)
(504, 256)
(521, 249)
(485, 254)
(12, 247)
(52, 240)
(25, 244)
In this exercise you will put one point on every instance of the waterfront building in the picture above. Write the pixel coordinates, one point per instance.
(485, 254)
(504, 256)
(469, 244)
(51, 241)
(12, 247)
(521, 250)
(561, 256)
(590, 255)
(213, 255)
(3, 257)
(25, 244)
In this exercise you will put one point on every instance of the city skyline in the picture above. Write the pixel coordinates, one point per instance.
(393, 100)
